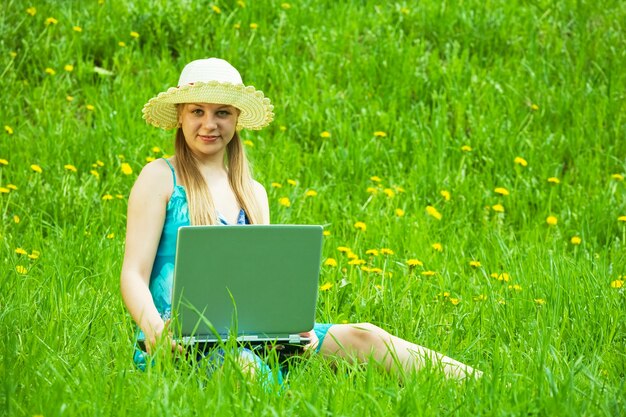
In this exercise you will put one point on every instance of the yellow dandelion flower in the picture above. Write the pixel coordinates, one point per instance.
(428, 273)
(386, 251)
(445, 194)
(70, 167)
(552, 221)
(534, 107)
(110, 235)
(389, 192)
(414, 262)
(8, 129)
(277, 185)
(16, 218)
(437, 246)
(498, 208)
(21, 270)
(31, 11)
(372, 190)
(90, 107)
(356, 262)
(454, 301)
(134, 34)
(4, 190)
(344, 249)
(380, 134)
(352, 255)
(372, 252)
(284, 201)
(21, 251)
(292, 182)
(69, 98)
(520, 161)
(34, 254)
(326, 286)
(432, 211)
(622, 218)
(254, 26)
(51, 21)
(501, 276)
(501, 191)
(330, 262)
(50, 71)
(618, 283)
(374, 270)
(515, 287)
(119, 196)
(310, 193)
(77, 29)
(326, 232)
(216, 9)
(126, 168)
(325, 134)
(474, 264)
(122, 44)
(4, 162)
(554, 180)
(285, 6)
(480, 297)
(12, 187)
(36, 168)
(399, 212)
(95, 173)
(360, 226)
(466, 148)
(444, 294)
(576, 240)
(539, 301)
(150, 158)
(248, 143)
(618, 177)
(155, 149)
(107, 197)
(69, 68)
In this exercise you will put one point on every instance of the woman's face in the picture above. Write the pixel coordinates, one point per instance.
(207, 127)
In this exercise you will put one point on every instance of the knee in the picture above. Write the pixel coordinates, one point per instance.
(367, 336)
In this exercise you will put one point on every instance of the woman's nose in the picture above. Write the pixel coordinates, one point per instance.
(210, 121)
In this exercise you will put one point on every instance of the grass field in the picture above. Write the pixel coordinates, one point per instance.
(466, 158)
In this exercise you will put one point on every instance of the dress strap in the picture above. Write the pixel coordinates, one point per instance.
(173, 172)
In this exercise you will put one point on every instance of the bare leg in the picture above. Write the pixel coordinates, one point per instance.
(364, 342)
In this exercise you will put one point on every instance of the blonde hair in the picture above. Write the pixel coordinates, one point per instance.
(201, 208)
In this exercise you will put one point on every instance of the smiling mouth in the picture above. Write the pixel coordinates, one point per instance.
(208, 138)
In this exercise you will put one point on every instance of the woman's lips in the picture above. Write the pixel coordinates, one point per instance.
(208, 139)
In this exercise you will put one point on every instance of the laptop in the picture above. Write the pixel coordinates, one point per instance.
(255, 283)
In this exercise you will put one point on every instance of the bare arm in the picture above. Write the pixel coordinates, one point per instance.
(261, 196)
(146, 214)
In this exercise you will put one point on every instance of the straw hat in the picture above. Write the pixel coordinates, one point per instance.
(210, 80)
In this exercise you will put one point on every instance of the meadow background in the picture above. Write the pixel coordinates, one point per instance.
(465, 157)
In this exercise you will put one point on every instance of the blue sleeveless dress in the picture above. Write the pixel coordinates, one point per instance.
(161, 278)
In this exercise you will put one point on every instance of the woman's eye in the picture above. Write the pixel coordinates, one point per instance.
(223, 113)
(197, 112)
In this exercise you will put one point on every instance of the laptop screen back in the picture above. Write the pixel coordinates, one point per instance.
(252, 280)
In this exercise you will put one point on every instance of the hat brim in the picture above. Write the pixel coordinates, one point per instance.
(256, 109)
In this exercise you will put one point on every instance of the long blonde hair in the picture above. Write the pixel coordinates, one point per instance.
(201, 208)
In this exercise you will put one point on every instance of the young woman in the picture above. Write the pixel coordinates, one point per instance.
(208, 182)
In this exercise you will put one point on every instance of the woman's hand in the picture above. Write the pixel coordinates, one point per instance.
(161, 333)
(314, 341)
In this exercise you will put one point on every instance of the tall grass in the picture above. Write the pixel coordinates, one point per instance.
(460, 89)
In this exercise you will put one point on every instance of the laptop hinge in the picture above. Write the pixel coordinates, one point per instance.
(295, 338)
(248, 338)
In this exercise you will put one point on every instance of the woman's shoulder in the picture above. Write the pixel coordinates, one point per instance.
(155, 177)
(259, 190)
